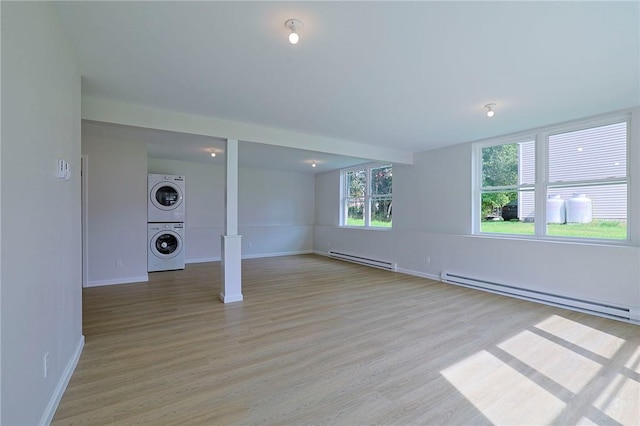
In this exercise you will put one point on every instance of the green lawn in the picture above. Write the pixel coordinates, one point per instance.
(360, 222)
(596, 229)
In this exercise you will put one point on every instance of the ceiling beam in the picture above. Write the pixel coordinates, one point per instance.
(142, 116)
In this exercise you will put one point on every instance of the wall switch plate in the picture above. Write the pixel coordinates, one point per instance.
(62, 170)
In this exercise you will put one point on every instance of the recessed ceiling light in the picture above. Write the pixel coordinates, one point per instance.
(313, 164)
(213, 154)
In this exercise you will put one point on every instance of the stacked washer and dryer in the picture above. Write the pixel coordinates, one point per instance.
(165, 227)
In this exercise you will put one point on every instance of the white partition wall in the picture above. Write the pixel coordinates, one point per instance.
(41, 311)
(116, 205)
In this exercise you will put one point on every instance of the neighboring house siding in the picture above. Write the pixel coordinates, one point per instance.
(527, 174)
(582, 156)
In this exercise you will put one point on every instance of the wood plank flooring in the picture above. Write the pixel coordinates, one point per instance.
(319, 341)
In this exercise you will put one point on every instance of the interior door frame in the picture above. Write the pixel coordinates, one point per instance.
(84, 174)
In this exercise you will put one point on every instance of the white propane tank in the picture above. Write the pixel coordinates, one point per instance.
(579, 209)
(555, 209)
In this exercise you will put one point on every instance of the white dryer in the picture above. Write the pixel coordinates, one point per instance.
(165, 198)
(166, 246)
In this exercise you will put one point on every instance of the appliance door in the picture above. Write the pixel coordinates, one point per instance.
(166, 196)
(166, 244)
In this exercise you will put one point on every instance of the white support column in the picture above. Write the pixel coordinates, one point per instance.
(231, 252)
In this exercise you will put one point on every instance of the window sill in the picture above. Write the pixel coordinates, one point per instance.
(368, 228)
(559, 240)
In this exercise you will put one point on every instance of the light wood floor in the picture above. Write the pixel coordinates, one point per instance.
(319, 341)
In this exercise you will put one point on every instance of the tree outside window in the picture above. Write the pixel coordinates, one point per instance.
(367, 196)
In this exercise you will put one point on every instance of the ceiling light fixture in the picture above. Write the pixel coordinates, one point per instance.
(293, 25)
(490, 111)
(313, 164)
(213, 154)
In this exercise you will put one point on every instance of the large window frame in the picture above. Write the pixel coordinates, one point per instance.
(367, 199)
(544, 186)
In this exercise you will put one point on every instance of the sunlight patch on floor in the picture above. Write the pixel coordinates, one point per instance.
(620, 394)
(586, 422)
(502, 394)
(567, 368)
(593, 340)
(634, 362)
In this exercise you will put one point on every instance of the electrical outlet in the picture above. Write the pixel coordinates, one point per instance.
(45, 365)
(428, 260)
(250, 245)
(119, 263)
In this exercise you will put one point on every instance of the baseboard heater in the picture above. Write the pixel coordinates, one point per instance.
(595, 308)
(376, 263)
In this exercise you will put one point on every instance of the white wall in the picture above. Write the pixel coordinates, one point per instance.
(275, 212)
(41, 233)
(275, 209)
(327, 204)
(433, 217)
(117, 206)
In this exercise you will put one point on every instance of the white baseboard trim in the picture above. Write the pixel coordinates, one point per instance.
(127, 280)
(50, 411)
(249, 256)
(203, 260)
(283, 253)
(232, 298)
(419, 274)
(321, 253)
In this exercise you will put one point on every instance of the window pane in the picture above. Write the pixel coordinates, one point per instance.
(590, 154)
(588, 211)
(381, 181)
(355, 212)
(381, 212)
(356, 182)
(508, 212)
(509, 164)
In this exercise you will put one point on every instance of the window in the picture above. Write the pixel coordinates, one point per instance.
(508, 187)
(367, 196)
(580, 192)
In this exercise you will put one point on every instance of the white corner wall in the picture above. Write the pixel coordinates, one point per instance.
(116, 205)
(433, 218)
(275, 212)
(41, 234)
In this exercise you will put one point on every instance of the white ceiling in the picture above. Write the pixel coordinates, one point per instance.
(408, 75)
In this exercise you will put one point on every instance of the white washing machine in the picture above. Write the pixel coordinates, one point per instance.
(166, 198)
(166, 246)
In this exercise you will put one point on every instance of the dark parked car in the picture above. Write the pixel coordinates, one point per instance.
(510, 211)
